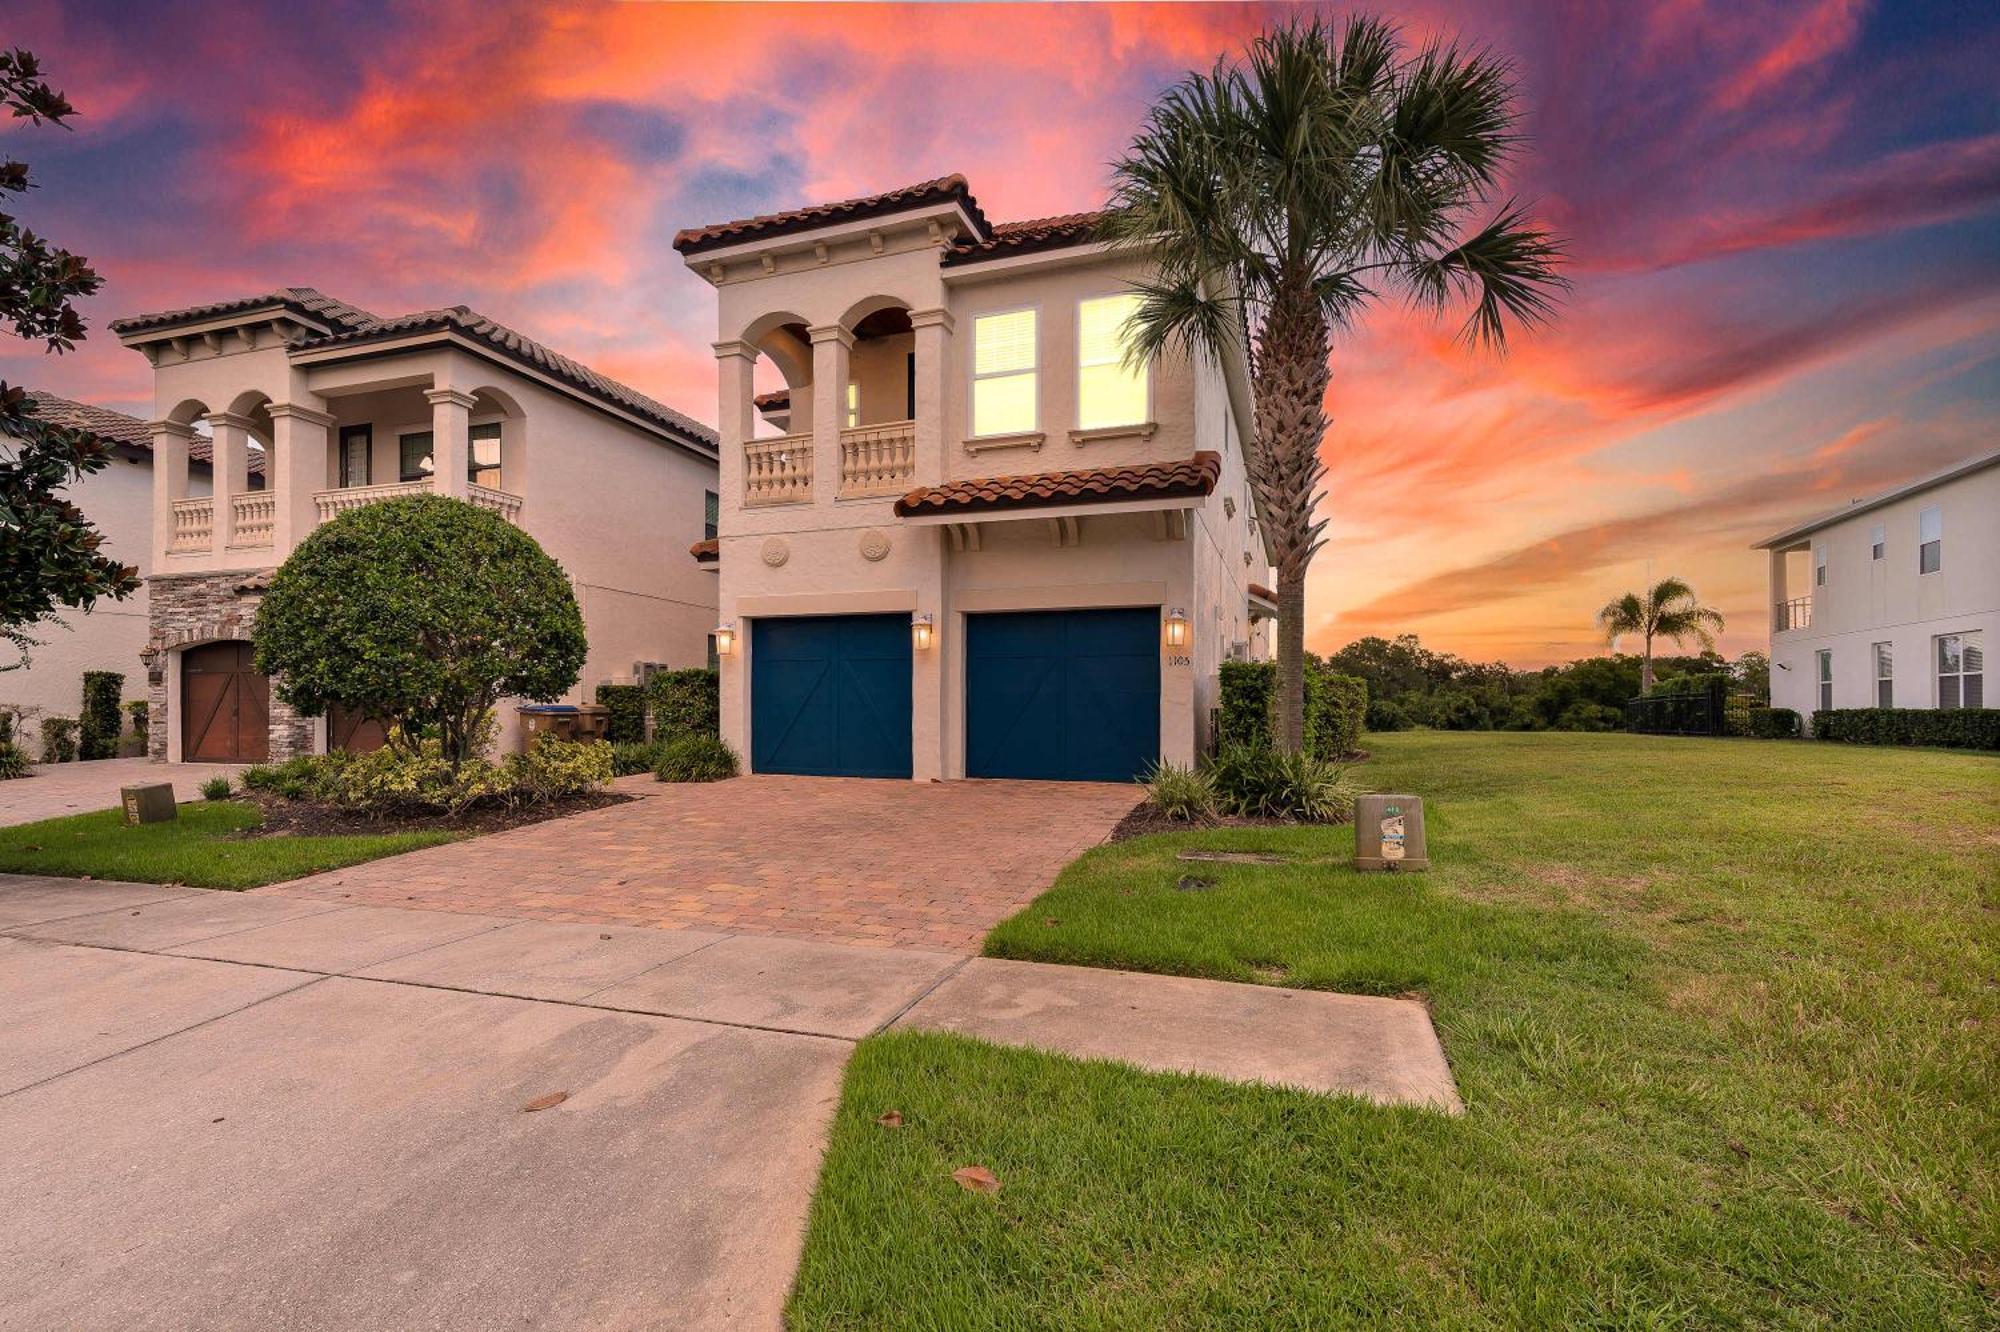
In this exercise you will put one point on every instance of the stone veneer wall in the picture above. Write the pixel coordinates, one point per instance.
(191, 609)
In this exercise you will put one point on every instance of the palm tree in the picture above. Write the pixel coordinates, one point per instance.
(1669, 610)
(1279, 196)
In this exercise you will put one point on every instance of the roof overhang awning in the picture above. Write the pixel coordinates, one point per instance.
(1263, 602)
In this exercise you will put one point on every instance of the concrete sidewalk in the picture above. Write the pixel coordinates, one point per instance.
(234, 1111)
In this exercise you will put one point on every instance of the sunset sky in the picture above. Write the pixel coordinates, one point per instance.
(1784, 217)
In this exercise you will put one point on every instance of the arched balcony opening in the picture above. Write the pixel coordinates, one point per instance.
(878, 401)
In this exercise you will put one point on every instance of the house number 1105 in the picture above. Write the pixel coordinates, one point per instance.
(1179, 659)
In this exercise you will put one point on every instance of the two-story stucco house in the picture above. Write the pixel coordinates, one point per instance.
(340, 408)
(965, 540)
(1891, 601)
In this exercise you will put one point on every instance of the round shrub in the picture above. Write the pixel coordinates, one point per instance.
(13, 763)
(1386, 716)
(217, 788)
(424, 611)
(696, 758)
(1184, 795)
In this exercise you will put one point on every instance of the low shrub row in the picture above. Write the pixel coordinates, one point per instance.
(625, 723)
(1949, 728)
(1771, 723)
(415, 778)
(695, 758)
(685, 702)
(1254, 782)
(1336, 706)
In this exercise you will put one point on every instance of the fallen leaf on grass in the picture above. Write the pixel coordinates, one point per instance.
(890, 1119)
(976, 1179)
(545, 1102)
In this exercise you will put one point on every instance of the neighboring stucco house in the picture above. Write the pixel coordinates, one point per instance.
(1891, 601)
(347, 408)
(966, 542)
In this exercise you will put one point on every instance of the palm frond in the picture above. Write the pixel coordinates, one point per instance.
(1510, 270)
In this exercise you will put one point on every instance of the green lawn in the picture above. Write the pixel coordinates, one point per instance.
(1723, 1014)
(195, 849)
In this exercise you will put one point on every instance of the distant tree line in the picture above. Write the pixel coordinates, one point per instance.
(1410, 685)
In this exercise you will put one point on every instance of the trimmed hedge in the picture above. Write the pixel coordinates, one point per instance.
(1949, 728)
(1335, 707)
(686, 702)
(58, 739)
(98, 728)
(1774, 723)
(626, 724)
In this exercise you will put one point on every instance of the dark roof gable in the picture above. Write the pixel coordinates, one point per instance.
(944, 189)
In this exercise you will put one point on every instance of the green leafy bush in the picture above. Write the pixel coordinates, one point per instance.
(553, 769)
(1950, 728)
(7, 726)
(13, 763)
(696, 758)
(217, 788)
(1185, 795)
(98, 728)
(1383, 716)
(643, 756)
(626, 723)
(424, 611)
(686, 702)
(1336, 706)
(58, 739)
(1584, 715)
(141, 714)
(295, 778)
(1256, 781)
(1773, 723)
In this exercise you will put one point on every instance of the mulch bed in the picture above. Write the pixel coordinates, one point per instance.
(1145, 820)
(306, 818)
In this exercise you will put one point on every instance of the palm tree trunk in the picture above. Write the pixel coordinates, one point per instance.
(1646, 669)
(1285, 470)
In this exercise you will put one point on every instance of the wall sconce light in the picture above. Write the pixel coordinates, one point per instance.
(922, 630)
(1177, 628)
(725, 639)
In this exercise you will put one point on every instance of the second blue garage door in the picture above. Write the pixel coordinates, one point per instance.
(830, 695)
(1067, 695)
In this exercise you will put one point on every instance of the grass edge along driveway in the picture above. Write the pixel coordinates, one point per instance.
(1722, 1014)
(201, 848)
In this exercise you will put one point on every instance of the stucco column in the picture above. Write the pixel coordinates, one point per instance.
(830, 344)
(735, 366)
(451, 441)
(170, 481)
(299, 444)
(932, 330)
(229, 465)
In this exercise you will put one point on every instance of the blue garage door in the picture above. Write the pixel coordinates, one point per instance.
(830, 695)
(1070, 695)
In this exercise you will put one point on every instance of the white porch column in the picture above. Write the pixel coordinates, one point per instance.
(297, 467)
(229, 465)
(451, 441)
(933, 341)
(735, 366)
(170, 481)
(830, 343)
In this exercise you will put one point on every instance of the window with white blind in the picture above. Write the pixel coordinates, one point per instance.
(1878, 542)
(1107, 393)
(1930, 540)
(1885, 675)
(1961, 671)
(1003, 373)
(1825, 679)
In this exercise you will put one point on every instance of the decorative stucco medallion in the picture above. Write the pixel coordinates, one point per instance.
(874, 544)
(776, 552)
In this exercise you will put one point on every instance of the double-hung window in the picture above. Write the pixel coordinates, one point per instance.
(1819, 566)
(413, 456)
(1961, 671)
(355, 444)
(1107, 392)
(1878, 542)
(711, 515)
(1004, 382)
(1825, 656)
(1930, 540)
(482, 456)
(1885, 675)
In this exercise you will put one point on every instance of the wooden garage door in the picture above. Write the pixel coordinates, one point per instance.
(353, 731)
(225, 706)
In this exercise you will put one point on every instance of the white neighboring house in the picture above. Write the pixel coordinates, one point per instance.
(1893, 600)
(347, 408)
(118, 501)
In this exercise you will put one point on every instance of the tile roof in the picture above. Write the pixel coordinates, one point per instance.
(777, 400)
(352, 325)
(524, 349)
(122, 429)
(694, 240)
(1030, 237)
(1189, 478)
(706, 552)
(299, 300)
(1263, 593)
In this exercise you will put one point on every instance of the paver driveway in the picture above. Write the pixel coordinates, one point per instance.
(931, 865)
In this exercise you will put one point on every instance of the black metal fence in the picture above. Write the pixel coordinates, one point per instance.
(1693, 711)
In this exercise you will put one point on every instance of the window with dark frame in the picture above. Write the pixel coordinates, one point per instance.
(1961, 671)
(413, 455)
(711, 515)
(356, 443)
(482, 456)
(1930, 540)
(1825, 680)
(1885, 675)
